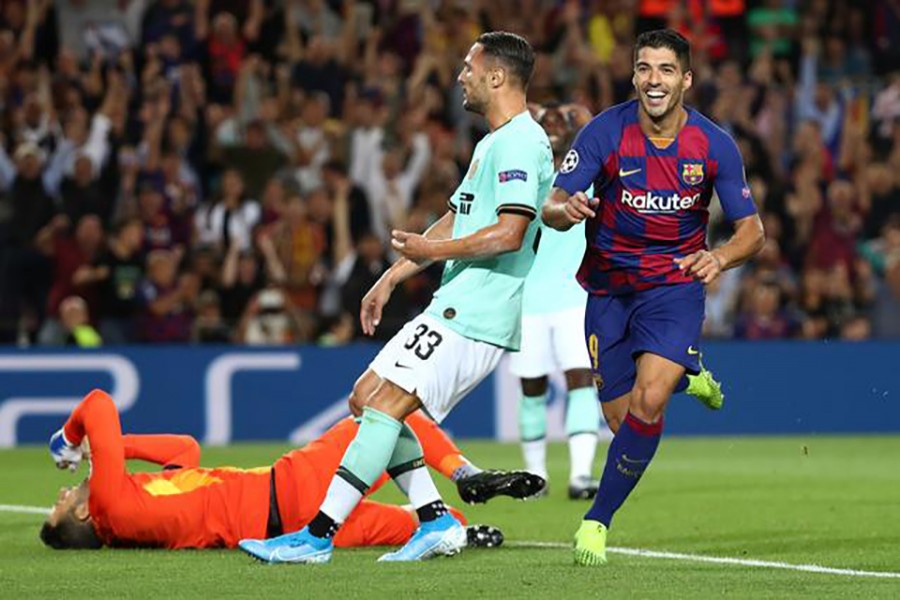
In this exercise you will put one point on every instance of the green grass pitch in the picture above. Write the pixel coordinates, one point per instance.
(833, 502)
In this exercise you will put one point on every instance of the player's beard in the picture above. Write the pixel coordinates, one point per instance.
(659, 113)
(472, 102)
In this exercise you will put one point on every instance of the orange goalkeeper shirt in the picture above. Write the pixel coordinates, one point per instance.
(190, 507)
(193, 507)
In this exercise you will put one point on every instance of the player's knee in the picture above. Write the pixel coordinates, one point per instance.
(648, 402)
(355, 403)
(536, 386)
(393, 401)
(362, 390)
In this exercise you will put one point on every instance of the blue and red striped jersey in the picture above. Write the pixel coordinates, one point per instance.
(654, 202)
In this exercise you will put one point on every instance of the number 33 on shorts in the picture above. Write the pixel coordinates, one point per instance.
(423, 341)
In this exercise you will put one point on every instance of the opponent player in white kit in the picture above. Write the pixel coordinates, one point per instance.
(488, 240)
(552, 333)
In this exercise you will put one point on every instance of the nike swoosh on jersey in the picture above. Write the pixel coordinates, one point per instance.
(692, 351)
(627, 173)
(397, 364)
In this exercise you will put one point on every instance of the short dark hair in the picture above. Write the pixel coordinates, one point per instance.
(513, 51)
(666, 38)
(70, 532)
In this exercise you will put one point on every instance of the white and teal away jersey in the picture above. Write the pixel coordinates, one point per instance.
(551, 285)
(511, 171)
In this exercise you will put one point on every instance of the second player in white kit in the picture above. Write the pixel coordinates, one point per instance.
(552, 336)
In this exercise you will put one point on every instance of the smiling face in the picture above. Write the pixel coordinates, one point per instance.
(473, 80)
(660, 81)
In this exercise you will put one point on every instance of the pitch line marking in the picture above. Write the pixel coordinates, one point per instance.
(721, 560)
(18, 508)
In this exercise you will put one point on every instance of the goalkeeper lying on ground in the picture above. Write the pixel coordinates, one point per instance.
(185, 506)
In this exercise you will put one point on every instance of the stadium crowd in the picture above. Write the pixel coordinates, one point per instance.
(230, 170)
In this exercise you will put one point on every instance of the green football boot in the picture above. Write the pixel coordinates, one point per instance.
(590, 544)
(704, 387)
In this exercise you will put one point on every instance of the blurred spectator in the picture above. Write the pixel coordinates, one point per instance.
(269, 321)
(163, 228)
(884, 199)
(721, 304)
(241, 279)
(98, 27)
(230, 221)
(311, 144)
(886, 308)
(369, 262)
(73, 254)
(886, 108)
(119, 270)
(817, 100)
(165, 300)
(224, 52)
(878, 250)
(209, 326)
(338, 185)
(764, 318)
(390, 182)
(73, 313)
(254, 158)
(165, 17)
(835, 230)
(772, 24)
(299, 243)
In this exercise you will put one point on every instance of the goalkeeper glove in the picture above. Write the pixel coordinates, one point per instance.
(65, 455)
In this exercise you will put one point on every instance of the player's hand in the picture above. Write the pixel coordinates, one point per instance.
(579, 207)
(373, 303)
(412, 246)
(65, 455)
(703, 266)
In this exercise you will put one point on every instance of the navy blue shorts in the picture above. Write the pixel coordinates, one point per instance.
(665, 321)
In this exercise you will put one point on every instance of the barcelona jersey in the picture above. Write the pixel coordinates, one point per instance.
(654, 202)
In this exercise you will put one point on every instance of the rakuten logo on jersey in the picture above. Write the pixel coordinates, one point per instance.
(650, 203)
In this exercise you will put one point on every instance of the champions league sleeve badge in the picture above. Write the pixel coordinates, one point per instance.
(570, 162)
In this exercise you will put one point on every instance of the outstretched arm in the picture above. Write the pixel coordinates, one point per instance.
(170, 451)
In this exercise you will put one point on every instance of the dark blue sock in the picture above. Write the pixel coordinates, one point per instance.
(629, 455)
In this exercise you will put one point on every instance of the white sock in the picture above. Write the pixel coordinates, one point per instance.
(340, 500)
(535, 453)
(418, 486)
(582, 447)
